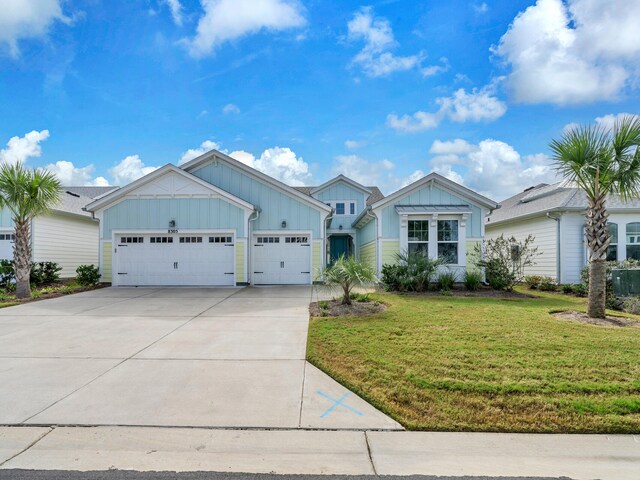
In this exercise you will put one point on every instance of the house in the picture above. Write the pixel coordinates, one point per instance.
(67, 236)
(217, 221)
(555, 216)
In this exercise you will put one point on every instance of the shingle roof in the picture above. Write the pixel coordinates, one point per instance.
(543, 198)
(74, 199)
(375, 196)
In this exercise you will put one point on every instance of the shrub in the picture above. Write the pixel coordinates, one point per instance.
(580, 289)
(548, 284)
(631, 305)
(472, 280)
(567, 288)
(45, 273)
(360, 297)
(323, 305)
(504, 260)
(7, 272)
(612, 301)
(87, 275)
(413, 273)
(446, 280)
(348, 272)
(532, 281)
(36, 294)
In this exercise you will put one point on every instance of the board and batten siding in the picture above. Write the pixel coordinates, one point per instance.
(544, 230)
(276, 205)
(6, 220)
(69, 241)
(430, 195)
(189, 213)
(342, 191)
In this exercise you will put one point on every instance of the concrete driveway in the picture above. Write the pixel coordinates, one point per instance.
(207, 357)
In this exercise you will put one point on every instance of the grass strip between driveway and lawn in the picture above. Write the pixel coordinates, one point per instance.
(485, 364)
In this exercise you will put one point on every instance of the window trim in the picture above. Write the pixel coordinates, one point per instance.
(442, 242)
(419, 242)
(627, 243)
(348, 206)
(463, 218)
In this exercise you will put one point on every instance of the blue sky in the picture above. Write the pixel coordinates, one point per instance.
(384, 92)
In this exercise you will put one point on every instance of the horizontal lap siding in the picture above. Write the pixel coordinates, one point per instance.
(240, 256)
(107, 257)
(472, 258)
(572, 247)
(65, 241)
(545, 232)
(316, 260)
(390, 252)
(368, 254)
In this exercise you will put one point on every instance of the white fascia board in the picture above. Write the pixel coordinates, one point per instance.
(114, 196)
(341, 178)
(215, 155)
(443, 182)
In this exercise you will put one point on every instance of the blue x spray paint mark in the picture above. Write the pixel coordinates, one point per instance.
(338, 403)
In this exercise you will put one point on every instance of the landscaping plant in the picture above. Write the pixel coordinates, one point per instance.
(472, 280)
(532, 281)
(44, 273)
(504, 260)
(547, 284)
(26, 193)
(601, 162)
(413, 272)
(446, 280)
(348, 272)
(87, 275)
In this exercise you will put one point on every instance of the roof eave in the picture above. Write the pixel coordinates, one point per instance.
(342, 178)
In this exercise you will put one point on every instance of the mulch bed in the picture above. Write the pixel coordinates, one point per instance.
(610, 321)
(336, 309)
(49, 295)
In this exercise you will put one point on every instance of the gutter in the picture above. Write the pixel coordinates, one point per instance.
(558, 244)
(250, 242)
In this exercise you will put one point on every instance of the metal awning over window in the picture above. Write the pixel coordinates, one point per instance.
(431, 209)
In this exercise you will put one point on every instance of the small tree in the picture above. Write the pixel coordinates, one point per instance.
(504, 260)
(346, 273)
(26, 194)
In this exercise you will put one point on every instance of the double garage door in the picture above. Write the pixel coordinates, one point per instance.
(189, 259)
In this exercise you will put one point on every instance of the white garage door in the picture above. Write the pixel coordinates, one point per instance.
(189, 259)
(281, 259)
(6, 245)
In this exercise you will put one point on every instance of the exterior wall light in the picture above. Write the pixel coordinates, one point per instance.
(284, 224)
(172, 224)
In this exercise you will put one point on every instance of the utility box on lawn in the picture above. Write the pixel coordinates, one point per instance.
(626, 283)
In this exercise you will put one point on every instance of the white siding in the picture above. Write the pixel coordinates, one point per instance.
(66, 240)
(544, 230)
(572, 247)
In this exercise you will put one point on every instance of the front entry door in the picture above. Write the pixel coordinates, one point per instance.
(339, 245)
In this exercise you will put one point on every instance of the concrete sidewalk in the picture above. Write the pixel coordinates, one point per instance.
(580, 457)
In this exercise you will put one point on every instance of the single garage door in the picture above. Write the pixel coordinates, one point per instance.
(189, 259)
(281, 260)
(6, 245)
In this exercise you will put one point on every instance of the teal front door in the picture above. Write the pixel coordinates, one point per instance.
(339, 245)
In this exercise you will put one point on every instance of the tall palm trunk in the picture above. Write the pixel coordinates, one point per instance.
(22, 259)
(598, 240)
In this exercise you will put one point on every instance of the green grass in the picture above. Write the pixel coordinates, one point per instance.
(8, 299)
(485, 364)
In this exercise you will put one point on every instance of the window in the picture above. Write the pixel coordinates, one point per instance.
(7, 236)
(296, 239)
(633, 240)
(340, 208)
(131, 240)
(220, 239)
(612, 251)
(161, 240)
(418, 236)
(448, 241)
(190, 239)
(268, 239)
(343, 207)
(352, 208)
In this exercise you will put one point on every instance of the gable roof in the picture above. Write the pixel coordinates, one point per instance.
(436, 178)
(373, 197)
(214, 155)
(340, 178)
(74, 199)
(545, 198)
(110, 198)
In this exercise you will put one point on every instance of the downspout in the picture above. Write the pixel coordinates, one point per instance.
(558, 244)
(250, 242)
(327, 224)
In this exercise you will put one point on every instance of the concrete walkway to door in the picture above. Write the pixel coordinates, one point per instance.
(203, 357)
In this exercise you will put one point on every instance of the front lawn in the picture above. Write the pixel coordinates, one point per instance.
(56, 289)
(485, 364)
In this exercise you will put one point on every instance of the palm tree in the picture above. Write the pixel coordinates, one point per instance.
(601, 162)
(346, 273)
(26, 194)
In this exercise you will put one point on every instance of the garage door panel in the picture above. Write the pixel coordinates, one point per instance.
(281, 259)
(194, 259)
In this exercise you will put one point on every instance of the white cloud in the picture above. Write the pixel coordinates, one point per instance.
(578, 51)
(432, 70)
(70, 175)
(176, 11)
(129, 169)
(226, 20)
(491, 167)
(353, 144)
(608, 121)
(230, 108)
(19, 149)
(381, 173)
(375, 57)
(462, 106)
(21, 19)
(481, 8)
(192, 153)
(279, 163)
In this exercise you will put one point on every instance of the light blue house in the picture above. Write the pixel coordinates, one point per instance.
(217, 221)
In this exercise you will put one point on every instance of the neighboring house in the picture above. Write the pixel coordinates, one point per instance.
(217, 221)
(67, 236)
(555, 216)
